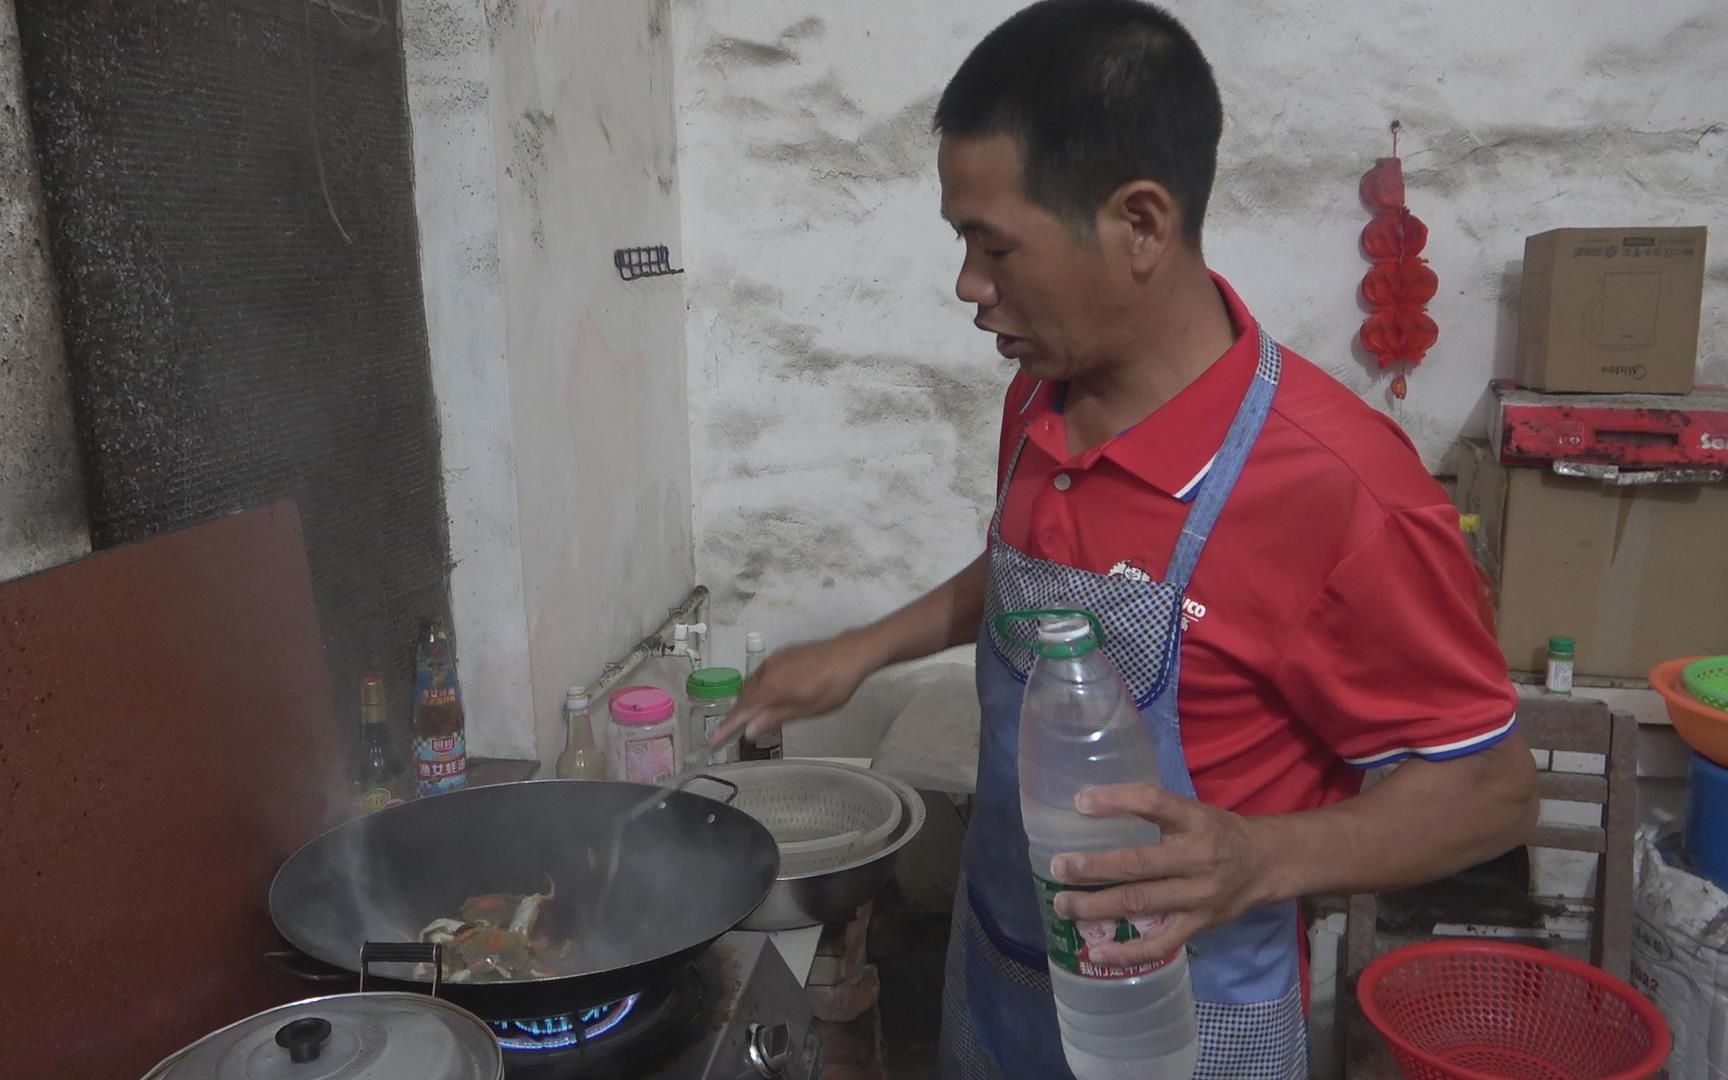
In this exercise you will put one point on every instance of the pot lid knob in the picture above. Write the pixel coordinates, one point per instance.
(304, 1038)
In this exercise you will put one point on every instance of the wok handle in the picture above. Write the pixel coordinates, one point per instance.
(732, 789)
(403, 952)
(304, 967)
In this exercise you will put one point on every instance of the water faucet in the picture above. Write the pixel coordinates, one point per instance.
(687, 641)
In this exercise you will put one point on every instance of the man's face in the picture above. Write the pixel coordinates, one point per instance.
(1052, 298)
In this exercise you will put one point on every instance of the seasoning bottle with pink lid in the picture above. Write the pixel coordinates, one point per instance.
(646, 746)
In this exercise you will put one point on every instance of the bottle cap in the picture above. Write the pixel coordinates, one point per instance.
(642, 706)
(753, 642)
(371, 690)
(1064, 636)
(1561, 644)
(713, 684)
(576, 695)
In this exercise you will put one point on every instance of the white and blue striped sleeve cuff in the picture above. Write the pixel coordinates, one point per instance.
(1439, 752)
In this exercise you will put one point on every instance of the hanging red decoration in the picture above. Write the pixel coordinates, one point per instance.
(1399, 283)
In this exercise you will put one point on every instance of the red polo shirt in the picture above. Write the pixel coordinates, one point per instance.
(1331, 624)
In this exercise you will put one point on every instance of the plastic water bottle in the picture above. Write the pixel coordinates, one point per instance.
(1079, 729)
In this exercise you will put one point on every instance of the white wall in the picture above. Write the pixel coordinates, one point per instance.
(583, 123)
(449, 66)
(844, 411)
(42, 517)
(544, 140)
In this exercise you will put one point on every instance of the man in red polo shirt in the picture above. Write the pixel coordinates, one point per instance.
(1169, 467)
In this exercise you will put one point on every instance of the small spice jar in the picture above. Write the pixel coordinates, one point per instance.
(712, 693)
(645, 746)
(1560, 654)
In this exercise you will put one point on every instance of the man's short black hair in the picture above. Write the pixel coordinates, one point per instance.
(1098, 93)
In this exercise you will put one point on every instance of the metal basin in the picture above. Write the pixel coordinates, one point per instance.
(826, 896)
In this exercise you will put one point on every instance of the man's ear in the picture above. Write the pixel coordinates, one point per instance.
(1143, 218)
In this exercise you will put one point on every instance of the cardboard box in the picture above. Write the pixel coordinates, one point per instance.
(1636, 574)
(1611, 310)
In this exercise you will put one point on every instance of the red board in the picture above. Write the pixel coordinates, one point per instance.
(1633, 431)
(166, 741)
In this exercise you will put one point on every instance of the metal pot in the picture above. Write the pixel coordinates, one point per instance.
(644, 879)
(835, 895)
(363, 1036)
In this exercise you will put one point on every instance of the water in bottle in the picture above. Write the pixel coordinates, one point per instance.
(1079, 729)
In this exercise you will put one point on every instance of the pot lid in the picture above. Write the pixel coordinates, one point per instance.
(376, 1036)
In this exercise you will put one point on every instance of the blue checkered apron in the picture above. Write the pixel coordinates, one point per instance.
(998, 1016)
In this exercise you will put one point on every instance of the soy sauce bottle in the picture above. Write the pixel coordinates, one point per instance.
(440, 738)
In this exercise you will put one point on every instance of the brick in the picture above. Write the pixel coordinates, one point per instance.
(841, 950)
(855, 1044)
(848, 1000)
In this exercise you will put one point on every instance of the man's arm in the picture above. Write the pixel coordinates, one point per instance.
(1423, 822)
(817, 678)
(1426, 820)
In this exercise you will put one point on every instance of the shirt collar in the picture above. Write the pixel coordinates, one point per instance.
(1173, 448)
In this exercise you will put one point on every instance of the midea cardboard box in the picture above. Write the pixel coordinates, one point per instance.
(1636, 574)
(1611, 310)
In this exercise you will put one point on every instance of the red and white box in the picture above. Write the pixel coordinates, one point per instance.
(1630, 431)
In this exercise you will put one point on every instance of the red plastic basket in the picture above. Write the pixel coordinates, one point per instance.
(1482, 1010)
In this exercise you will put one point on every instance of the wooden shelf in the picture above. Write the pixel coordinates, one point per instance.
(483, 771)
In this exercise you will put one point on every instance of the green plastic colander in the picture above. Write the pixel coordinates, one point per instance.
(1707, 680)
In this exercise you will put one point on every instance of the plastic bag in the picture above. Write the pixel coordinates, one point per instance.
(1680, 956)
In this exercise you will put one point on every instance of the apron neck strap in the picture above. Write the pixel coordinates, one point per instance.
(1221, 474)
(1226, 467)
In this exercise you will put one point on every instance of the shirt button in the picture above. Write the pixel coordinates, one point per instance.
(1063, 481)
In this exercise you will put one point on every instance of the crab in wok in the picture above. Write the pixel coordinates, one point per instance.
(492, 939)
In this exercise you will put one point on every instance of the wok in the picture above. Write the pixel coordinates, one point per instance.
(644, 878)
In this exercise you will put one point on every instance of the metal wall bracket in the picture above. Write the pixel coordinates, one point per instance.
(644, 262)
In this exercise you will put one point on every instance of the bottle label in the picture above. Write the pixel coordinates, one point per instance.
(1559, 676)
(1070, 942)
(440, 764)
(372, 799)
(649, 761)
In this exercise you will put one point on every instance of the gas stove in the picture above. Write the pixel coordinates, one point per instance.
(737, 1013)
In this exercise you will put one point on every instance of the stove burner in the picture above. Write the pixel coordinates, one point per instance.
(548, 1033)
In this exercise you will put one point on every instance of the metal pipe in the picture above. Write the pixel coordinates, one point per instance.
(693, 610)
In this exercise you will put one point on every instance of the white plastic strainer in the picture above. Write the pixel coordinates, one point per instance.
(820, 815)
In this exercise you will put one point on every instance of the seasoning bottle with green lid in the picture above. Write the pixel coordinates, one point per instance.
(712, 693)
(1560, 653)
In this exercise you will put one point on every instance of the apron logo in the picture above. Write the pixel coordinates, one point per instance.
(1126, 569)
(1192, 610)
